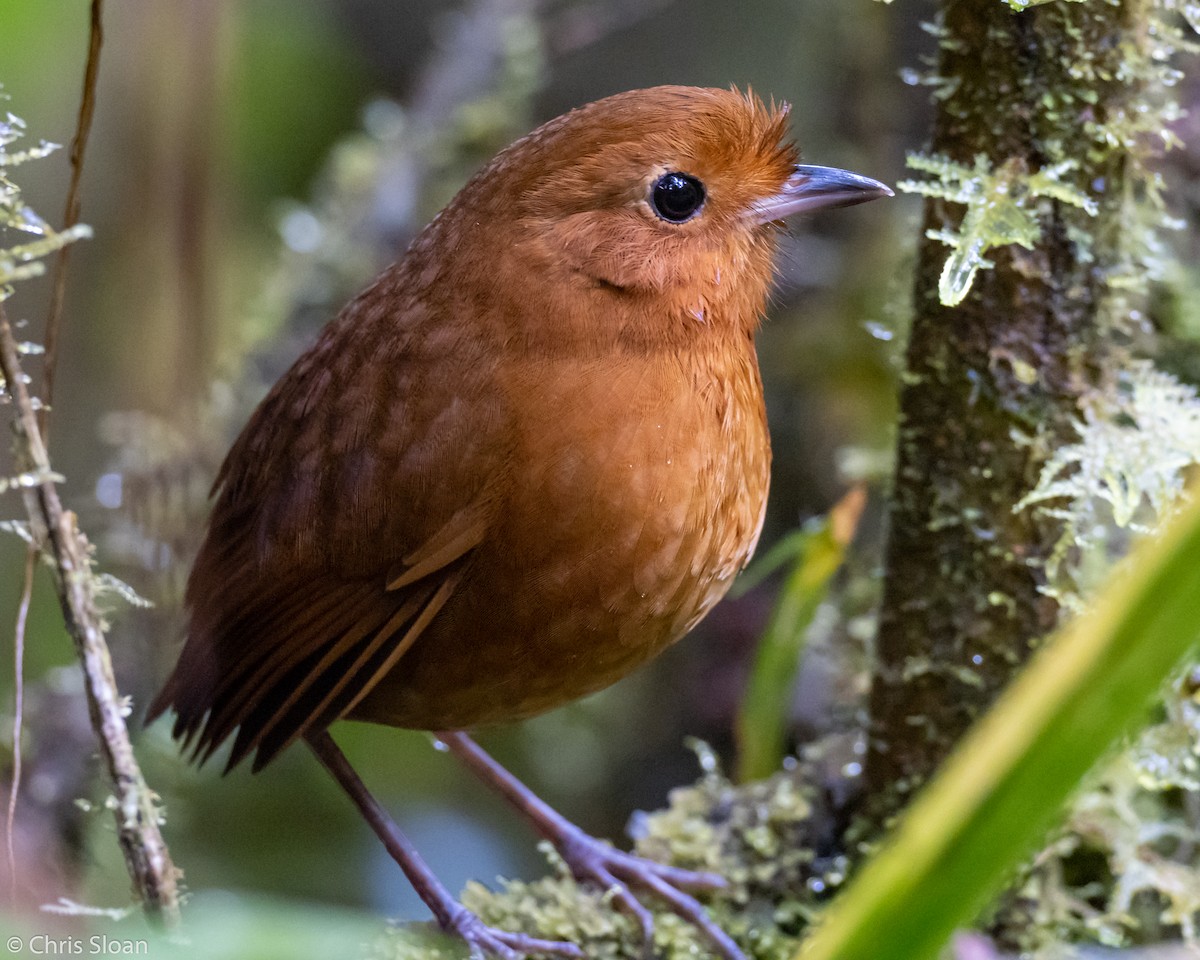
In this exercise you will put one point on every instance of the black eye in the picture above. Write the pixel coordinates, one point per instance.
(677, 196)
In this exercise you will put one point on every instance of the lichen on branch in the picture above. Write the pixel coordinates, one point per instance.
(1039, 179)
(53, 530)
(1127, 468)
(22, 261)
(1002, 208)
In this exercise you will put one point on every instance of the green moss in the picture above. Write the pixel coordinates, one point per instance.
(1126, 470)
(1103, 111)
(1125, 868)
(1020, 5)
(761, 837)
(1002, 208)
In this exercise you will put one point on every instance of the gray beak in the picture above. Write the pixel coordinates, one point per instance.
(814, 188)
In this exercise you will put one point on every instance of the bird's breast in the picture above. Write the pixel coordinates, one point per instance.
(636, 494)
(651, 497)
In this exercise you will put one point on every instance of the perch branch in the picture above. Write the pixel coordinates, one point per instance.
(146, 855)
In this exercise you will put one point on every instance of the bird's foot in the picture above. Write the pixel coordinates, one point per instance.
(595, 862)
(619, 873)
(452, 916)
(486, 941)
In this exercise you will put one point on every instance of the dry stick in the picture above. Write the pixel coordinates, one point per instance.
(146, 855)
(18, 716)
(83, 126)
(53, 322)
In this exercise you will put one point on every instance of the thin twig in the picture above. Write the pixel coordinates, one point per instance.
(83, 126)
(18, 715)
(146, 856)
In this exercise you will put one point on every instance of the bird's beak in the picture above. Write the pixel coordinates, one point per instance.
(813, 188)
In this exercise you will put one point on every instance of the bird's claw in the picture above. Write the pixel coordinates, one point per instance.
(619, 873)
(486, 941)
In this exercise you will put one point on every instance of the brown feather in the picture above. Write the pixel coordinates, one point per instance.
(530, 456)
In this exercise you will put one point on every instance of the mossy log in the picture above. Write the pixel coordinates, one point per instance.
(1062, 90)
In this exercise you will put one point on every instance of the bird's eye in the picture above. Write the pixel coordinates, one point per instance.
(677, 196)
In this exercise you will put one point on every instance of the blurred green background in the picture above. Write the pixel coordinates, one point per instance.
(225, 127)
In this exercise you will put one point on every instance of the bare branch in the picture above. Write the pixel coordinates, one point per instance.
(87, 109)
(146, 855)
(18, 711)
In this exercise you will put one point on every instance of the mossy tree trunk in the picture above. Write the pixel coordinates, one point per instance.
(992, 384)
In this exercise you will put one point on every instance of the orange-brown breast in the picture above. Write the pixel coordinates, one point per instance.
(639, 490)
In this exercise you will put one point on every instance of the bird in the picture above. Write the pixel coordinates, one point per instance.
(525, 460)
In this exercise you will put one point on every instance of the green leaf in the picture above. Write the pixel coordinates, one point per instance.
(1006, 784)
(819, 550)
(785, 550)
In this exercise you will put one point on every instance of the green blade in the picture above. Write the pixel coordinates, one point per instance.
(818, 550)
(1006, 784)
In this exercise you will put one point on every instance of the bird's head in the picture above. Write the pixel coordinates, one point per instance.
(671, 193)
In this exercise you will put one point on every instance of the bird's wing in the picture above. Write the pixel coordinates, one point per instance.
(346, 515)
(304, 653)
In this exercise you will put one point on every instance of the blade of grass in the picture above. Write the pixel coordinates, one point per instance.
(819, 549)
(1003, 787)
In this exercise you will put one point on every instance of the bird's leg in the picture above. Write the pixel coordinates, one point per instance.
(593, 860)
(451, 915)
